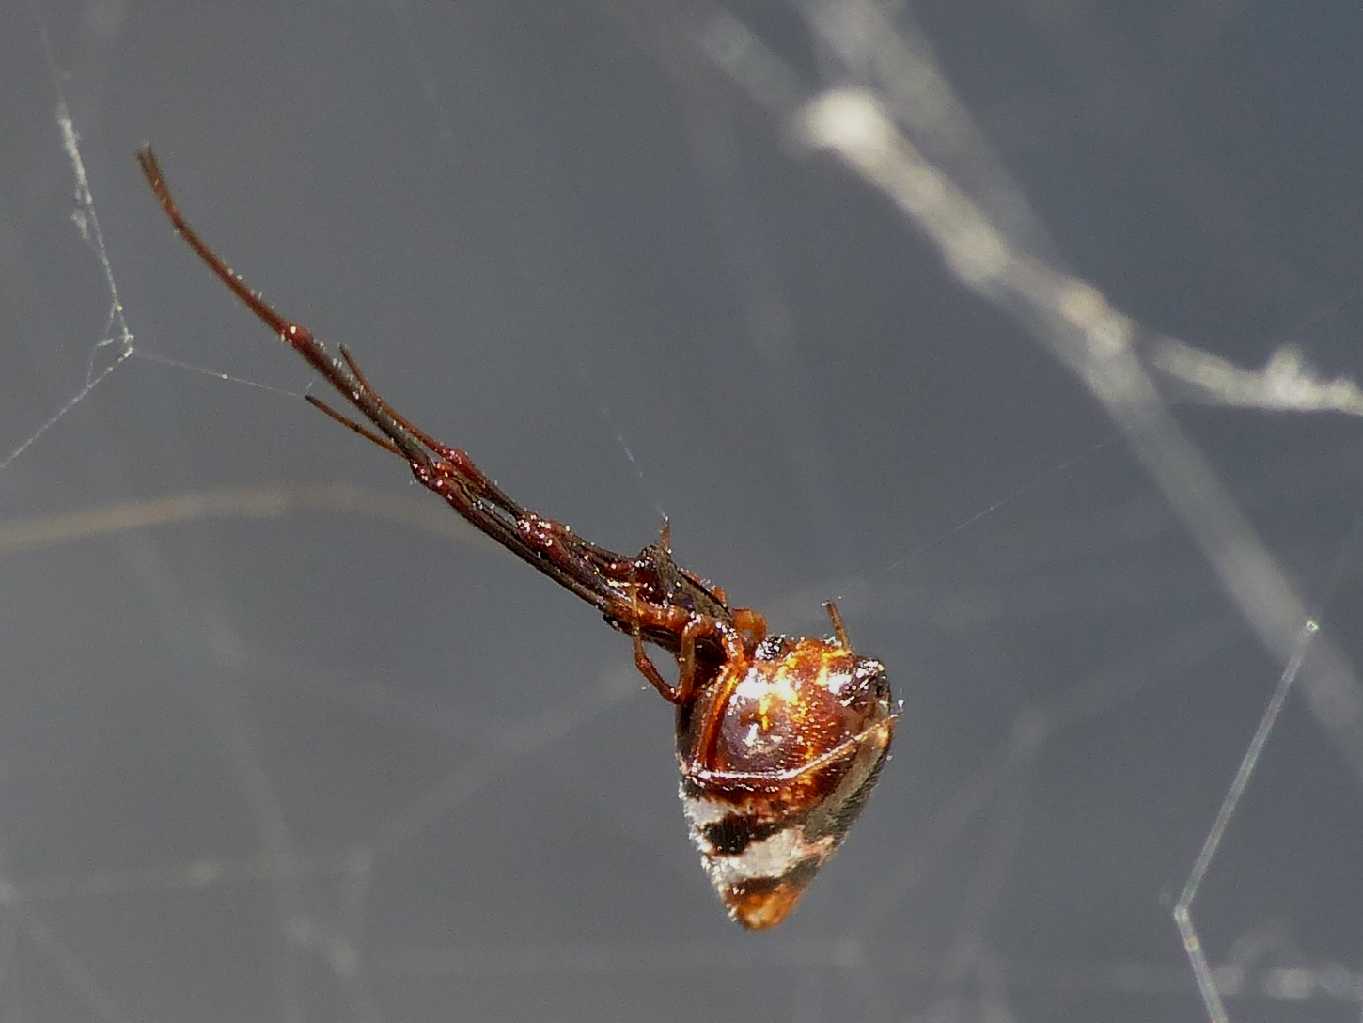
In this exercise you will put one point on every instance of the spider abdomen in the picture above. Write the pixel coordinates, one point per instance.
(777, 759)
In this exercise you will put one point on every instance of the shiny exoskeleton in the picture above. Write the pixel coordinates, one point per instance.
(777, 757)
(779, 740)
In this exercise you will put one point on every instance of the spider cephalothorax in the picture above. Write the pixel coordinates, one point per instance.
(779, 740)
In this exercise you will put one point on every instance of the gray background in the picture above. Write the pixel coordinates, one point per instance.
(314, 751)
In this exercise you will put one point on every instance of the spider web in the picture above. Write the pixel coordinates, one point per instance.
(1032, 337)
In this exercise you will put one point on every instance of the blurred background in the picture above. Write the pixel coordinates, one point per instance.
(281, 739)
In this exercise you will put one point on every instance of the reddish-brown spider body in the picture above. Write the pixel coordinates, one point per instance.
(779, 740)
(778, 756)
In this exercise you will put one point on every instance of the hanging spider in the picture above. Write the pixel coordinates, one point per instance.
(779, 739)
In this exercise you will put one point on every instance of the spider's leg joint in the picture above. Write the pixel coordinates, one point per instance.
(297, 335)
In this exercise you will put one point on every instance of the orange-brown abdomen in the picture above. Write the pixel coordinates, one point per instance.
(778, 756)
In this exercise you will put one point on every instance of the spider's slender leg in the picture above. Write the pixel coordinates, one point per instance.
(451, 473)
(551, 546)
(688, 679)
(458, 456)
(650, 671)
(839, 629)
(401, 420)
(688, 663)
(350, 424)
(670, 693)
(597, 575)
(295, 335)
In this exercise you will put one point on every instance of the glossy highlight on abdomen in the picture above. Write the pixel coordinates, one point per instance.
(770, 793)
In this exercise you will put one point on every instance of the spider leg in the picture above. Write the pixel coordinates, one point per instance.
(446, 471)
(650, 671)
(689, 627)
(670, 693)
(688, 664)
(457, 456)
(839, 629)
(599, 576)
(298, 337)
(350, 424)
(402, 421)
(751, 624)
(688, 678)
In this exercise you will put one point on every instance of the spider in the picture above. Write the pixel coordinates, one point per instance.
(779, 739)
